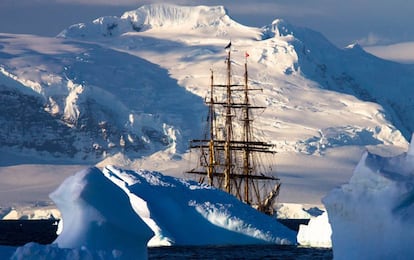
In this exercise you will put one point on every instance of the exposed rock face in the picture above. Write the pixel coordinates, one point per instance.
(27, 126)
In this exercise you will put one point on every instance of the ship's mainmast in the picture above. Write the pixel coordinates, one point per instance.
(246, 136)
(228, 164)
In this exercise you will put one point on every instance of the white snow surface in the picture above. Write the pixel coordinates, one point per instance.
(371, 216)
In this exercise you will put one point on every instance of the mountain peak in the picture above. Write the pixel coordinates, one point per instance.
(280, 27)
(355, 46)
(167, 15)
(154, 16)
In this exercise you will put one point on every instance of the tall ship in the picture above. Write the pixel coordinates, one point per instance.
(229, 155)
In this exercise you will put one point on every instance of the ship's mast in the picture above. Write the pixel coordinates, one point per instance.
(211, 142)
(246, 137)
(228, 162)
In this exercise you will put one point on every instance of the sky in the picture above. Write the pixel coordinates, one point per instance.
(368, 22)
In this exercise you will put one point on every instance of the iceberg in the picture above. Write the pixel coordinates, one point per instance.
(317, 233)
(115, 214)
(98, 222)
(371, 216)
(184, 212)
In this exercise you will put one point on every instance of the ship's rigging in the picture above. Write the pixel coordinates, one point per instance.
(227, 160)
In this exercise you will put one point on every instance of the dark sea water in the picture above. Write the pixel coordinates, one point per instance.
(239, 252)
(20, 232)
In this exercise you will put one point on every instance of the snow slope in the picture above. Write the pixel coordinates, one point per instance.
(82, 102)
(129, 91)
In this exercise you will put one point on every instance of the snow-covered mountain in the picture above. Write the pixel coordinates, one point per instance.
(81, 101)
(135, 84)
(297, 54)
